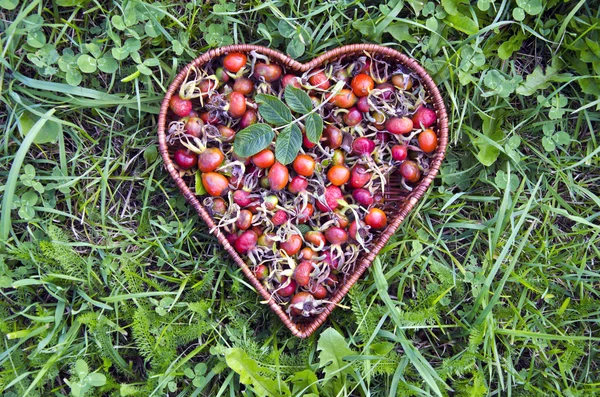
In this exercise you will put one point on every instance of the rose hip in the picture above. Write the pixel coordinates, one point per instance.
(245, 242)
(320, 81)
(399, 125)
(332, 195)
(363, 145)
(306, 213)
(344, 99)
(248, 118)
(302, 273)
(316, 238)
(424, 117)
(333, 136)
(243, 85)
(290, 79)
(363, 104)
(336, 235)
(268, 72)
(359, 176)
(242, 198)
(353, 117)
(210, 159)
(181, 107)
(288, 290)
(399, 152)
(194, 126)
(214, 183)
(293, 245)
(301, 302)
(362, 197)
(319, 291)
(278, 176)
(237, 104)
(185, 159)
(298, 184)
(279, 218)
(261, 272)
(338, 175)
(376, 218)
(410, 171)
(244, 220)
(264, 159)
(304, 165)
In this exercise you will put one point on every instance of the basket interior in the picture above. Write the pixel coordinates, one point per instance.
(398, 201)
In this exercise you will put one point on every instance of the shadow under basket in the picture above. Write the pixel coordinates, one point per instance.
(398, 201)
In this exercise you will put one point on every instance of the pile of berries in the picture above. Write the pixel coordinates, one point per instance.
(302, 226)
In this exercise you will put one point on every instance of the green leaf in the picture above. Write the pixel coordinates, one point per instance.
(107, 64)
(200, 189)
(462, 23)
(96, 379)
(29, 198)
(295, 48)
(510, 46)
(400, 32)
(145, 70)
(288, 144)
(253, 139)
(518, 14)
(9, 4)
(36, 39)
(26, 212)
(73, 77)
(548, 144)
(304, 381)
(273, 110)
(538, 80)
(117, 22)
(49, 134)
(250, 374)
(314, 127)
(86, 63)
(286, 29)
(71, 3)
(298, 100)
(333, 348)
(81, 368)
(451, 6)
(532, 7)
(561, 138)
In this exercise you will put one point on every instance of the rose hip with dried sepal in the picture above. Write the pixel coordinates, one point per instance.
(363, 145)
(185, 159)
(245, 242)
(286, 290)
(293, 245)
(359, 176)
(244, 220)
(279, 218)
(424, 117)
(331, 197)
(297, 184)
(399, 152)
(261, 272)
(302, 273)
(181, 107)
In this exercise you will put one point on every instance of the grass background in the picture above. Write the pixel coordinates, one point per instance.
(111, 286)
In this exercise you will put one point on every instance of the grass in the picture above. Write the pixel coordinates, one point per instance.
(112, 286)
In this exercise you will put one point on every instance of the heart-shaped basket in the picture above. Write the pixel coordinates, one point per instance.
(399, 204)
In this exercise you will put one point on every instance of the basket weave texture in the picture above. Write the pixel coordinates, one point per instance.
(403, 204)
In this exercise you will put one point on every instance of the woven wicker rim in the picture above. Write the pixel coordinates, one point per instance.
(303, 330)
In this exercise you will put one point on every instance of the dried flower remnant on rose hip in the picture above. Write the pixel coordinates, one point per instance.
(297, 169)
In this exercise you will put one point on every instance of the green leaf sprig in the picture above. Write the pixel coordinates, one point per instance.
(280, 115)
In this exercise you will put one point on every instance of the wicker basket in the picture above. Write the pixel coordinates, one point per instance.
(399, 205)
